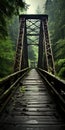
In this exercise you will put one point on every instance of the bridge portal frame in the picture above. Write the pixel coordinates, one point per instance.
(21, 59)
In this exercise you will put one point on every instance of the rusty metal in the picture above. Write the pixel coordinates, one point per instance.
(40, 49)
(34, 31)
(19, 49)
(48, 49)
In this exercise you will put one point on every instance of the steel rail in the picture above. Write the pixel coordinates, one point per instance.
(9, 84)
(55, 86)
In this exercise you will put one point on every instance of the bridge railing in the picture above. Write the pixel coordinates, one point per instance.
(8, 86)
(6, 82)
(56, 86)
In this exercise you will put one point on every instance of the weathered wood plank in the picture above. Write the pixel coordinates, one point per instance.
(31, 108)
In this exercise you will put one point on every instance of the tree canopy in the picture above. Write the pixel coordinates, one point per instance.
(7, 9)
(56, 13)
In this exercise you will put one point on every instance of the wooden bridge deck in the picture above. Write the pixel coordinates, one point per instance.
(31, 108)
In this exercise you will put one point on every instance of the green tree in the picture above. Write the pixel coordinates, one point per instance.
(9, 23)
(7, 54)
(13, 29)
(7, 9)
(56, 10)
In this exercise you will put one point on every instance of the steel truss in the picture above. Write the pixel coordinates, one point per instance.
(34, 31)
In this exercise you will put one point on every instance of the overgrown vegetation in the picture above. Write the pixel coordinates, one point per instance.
(6, 56)
(56, 13)
(9, 9)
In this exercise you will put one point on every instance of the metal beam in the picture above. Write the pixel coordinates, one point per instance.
(40, 55)
(19, 49)
(33, 23)
(34, 16)
(33, 34)
(33, 44)
(48, 49)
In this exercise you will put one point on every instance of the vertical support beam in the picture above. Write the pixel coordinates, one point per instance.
(25, 50)
(19, 49)
(40, 53)
(48, 49)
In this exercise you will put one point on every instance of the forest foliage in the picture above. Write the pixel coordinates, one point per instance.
(56, 14)
(9, 9)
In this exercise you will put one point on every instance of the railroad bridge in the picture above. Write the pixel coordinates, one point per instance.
(32, 99)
